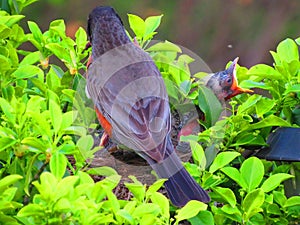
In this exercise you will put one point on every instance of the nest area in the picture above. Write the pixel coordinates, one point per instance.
(127, 162)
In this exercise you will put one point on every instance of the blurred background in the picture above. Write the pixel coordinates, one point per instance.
(216, 30)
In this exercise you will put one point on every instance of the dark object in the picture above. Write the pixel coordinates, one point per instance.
(284, 145)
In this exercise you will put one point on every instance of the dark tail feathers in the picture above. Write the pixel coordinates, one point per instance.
(181, 188)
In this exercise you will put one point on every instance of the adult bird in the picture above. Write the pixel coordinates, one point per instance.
(132, 104)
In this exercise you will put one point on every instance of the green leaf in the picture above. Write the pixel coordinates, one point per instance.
(68, 118)
(164, 47)
(185, 86)
(152, 23)
(234, 212)
(155, 187)
(198, 154)
(144, 209)
(39, 84)
(81, 38)
(269, 121)
(227, 195)
(287, 50)
(27, 71)
(36, 143)
(200, 75)
(247, 138)
(209, 105)
(67, 147)
(8, 180)
(29, 169)
(5, 63)
(7, 206)
(191, 209)
(292, 201)
(8, 110)
(85, 144)
(263, 106)
(279, 197)
(252, 203)
(235, 175)
(61, 53)
(203, 218)
(293, 88)
(10, 20)
(276, 57)
(253, 84)
(58, 26)
(273, 209)
(137, 24)
(161, 200)
(126, 215)
(64, 187)
(102, 171)
(48, 183)
(8, 194)
(30, 59)
(52, 80)
(32, 210)
(13, 55)
(8, 93)
(274, 181)
(222, 159)
(58, 164)
(42, 121)
(298, 40)
(62, 204)
(6, 142)
(130, 206)
(36, 32)
(34, 104)
(249, 103)
(51, 95)
(252, 170)
(111, 182)
(55, 115)
(76, 130)
(4, 31)
(185, 59)
(264, 71)
(137, 188)
(174, 72)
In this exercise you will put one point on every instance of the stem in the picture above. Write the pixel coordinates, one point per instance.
(65, 108)
(36, 176)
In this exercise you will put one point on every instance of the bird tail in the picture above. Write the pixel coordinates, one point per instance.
(181, 187)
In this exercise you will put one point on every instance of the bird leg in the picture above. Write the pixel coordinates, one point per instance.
(104, 139)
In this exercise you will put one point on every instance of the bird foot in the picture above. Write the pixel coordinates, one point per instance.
(104, 139)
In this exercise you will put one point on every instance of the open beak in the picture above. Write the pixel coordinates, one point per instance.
(235, 88)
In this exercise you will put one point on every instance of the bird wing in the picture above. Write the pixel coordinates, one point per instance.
(128, 90)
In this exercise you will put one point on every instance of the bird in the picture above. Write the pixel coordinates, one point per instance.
(132, 104)
(224, 85)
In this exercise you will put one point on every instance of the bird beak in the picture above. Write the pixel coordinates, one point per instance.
(235, 88)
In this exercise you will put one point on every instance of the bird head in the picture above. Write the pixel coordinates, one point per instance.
(105, 30)
(224, 83)
(103, 15)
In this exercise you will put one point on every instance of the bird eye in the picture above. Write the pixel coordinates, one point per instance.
(229, 80)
